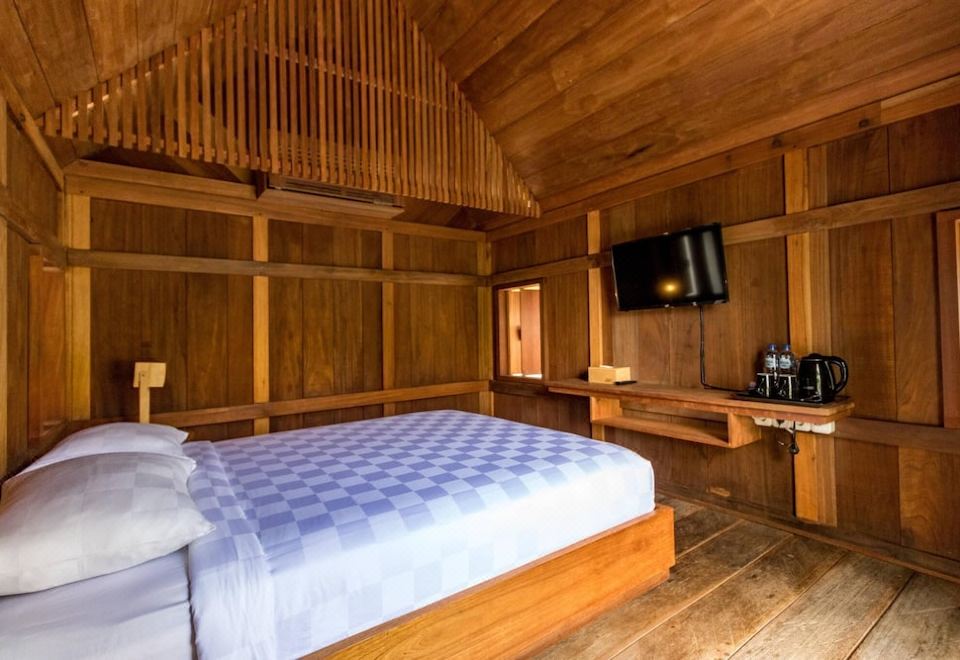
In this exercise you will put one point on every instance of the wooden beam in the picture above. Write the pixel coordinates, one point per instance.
(948, 260)
(595, 315)
(4, 151)
(562, 267)
(31, 130)
(261, 322)
(76, 236)
(389, 332)
(808, 287)
(131, 184)
(485, 325)
(227, 414)
(897, 205)
(899, 434)
(176, 264)
(4, 367)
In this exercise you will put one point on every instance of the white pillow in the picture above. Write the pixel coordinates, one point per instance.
(94, 515)
(116, 437)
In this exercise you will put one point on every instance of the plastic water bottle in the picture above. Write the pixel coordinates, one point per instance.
(787, 363)
(771, 360)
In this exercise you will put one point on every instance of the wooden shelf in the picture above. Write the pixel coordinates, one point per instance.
(678, 430)
(606, 410)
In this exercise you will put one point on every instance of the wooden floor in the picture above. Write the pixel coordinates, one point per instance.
(744, 590)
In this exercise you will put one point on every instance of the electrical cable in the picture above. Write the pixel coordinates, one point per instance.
(703, 368)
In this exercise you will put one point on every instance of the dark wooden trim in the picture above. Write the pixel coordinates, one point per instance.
(917, 560)
(175, 264)
(948, 247)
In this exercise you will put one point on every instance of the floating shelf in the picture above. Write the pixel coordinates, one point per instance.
(606, 410)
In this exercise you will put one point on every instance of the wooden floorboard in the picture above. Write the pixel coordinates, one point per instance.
(834, 615)
(744, 590)
(698, 573)
(924, 622)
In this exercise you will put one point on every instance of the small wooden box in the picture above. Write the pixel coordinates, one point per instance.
(607, 374)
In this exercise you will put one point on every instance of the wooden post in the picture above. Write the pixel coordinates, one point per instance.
(147, 375)
(389, 326)
(75, 233)
(808, 287)
(3, 141)
(595, 311)
(261, 322)
(4, 371)
(485, 325)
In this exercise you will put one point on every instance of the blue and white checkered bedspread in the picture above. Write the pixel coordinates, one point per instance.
(325, 532)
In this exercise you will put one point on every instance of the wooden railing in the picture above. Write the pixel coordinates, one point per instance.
(343, 92)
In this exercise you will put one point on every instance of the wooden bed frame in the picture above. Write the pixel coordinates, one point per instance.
(521, 612)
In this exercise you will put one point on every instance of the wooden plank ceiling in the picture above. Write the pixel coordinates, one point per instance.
(581, 95)
(587, 95)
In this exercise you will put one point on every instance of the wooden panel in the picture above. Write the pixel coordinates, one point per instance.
(47, 373)
(948, 265)
(916, 332)
(29, 182)
(538, 247)
(868, 489)
(286, 322)
(494, 186)
(436, 334)
(861, 273)
(929, 501)
(14, 351)
(566, 351)
(925, 150)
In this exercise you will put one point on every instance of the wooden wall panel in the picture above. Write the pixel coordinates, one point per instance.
(200, 325)
(434, 255)
(868, 489)
(15, 252)
(561, 241)
(862, 290)
(571, 414)
(436, 334)
(930, 500)
(465, 402)
(29, 182)
(47, 343)
(286, 323)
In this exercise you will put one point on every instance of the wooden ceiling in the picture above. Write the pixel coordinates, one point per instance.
(582, 95)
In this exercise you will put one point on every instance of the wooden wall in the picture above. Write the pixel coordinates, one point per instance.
(893, 494)
(32, 321)
(325, 336)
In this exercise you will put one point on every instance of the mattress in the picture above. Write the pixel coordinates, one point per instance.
(364, 522)
(323, 533)
(143, 612)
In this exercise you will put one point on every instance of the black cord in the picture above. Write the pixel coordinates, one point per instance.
(703, 367)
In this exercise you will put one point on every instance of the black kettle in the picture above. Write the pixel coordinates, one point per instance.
(816, 378)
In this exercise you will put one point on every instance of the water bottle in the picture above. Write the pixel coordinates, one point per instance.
(787, 363)
(787, 377)
(771, 360)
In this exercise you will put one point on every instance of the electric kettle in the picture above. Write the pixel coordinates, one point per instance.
(816, 378)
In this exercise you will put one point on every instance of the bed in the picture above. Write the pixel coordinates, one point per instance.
(437, 533)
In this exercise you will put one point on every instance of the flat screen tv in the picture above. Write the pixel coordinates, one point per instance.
(671, 270)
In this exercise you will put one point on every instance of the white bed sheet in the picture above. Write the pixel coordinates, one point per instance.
(142, 612)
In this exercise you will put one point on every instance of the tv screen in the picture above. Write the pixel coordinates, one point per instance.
(683, 268)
